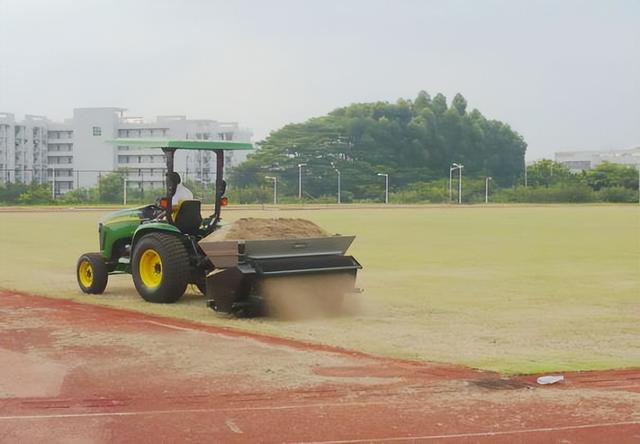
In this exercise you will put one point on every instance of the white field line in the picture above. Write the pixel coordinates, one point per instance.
(210, 410)
(260, 341)
(233, 426)
(175, 327)
(235, 429)
(479, 434)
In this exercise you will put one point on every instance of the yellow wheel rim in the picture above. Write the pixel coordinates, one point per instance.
(85, 273)
(150, 268)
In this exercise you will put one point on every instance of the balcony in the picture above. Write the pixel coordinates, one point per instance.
(145, 178)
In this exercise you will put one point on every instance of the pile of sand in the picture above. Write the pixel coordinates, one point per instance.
(252, 228)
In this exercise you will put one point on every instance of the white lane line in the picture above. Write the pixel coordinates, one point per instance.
(233, 426)
(477, 434)
(211, 410)
(173, 327)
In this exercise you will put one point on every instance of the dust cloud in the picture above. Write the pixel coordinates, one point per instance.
(310, 296)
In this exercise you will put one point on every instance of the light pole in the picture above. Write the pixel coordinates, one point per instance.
(638, 182)
(460, 184)
(275, 188)
(486, 189)
(459, 167)
(300, 165)
(53, 183)
(450, 179)
(338, 171)
(124, 193)
(386, 187)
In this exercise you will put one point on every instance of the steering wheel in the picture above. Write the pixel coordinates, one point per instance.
(156, 211)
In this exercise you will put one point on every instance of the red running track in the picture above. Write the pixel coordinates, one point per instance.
(74, 372)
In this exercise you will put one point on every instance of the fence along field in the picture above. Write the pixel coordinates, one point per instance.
(546, 182)
(511, 288)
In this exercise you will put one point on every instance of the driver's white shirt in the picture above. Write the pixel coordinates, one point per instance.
(182, 193)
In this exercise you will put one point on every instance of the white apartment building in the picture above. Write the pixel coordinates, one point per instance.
(76, 152)
(23, 148)
(60, 157)
(578, 161)
(147, 165)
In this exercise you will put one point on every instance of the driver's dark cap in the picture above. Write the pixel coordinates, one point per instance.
(173, 178)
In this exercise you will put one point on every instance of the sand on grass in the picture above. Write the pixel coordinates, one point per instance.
(253, 228)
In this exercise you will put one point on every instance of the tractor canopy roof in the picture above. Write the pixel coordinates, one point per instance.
(201, 145)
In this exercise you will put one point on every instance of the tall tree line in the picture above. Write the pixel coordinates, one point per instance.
(412, 140)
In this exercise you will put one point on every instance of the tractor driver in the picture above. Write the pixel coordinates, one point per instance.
(179, 191)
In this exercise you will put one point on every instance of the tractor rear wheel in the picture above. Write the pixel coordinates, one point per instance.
(201, 285)
(160, 268)
(92, 273)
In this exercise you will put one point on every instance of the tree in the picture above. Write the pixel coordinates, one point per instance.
(111, 187)
(439, 104)
(608, 175)
(422, 101)
(546, 172)
(10, 192)
(36, 194)
(412, 141)
(459, 103)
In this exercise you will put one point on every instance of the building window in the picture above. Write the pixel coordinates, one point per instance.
(97, 131)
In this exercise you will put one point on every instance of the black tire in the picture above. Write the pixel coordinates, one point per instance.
(92, 273)
(201, 286)
(174, 269)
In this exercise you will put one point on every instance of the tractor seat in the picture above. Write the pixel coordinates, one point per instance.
(188, 218)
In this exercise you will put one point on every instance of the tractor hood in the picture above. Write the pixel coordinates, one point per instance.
(119, 227)
(130, 214)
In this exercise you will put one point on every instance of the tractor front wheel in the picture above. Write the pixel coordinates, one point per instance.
(92, 273)
(160, 268)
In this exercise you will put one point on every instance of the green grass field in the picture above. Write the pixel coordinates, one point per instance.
(517, 289)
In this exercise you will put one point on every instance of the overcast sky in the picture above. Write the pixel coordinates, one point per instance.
(564, 74)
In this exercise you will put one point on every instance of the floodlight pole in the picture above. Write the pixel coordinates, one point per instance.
(386, 187)
(450, 179)
(124, 193)
(458, 167)
(53, 183)
(486, 189)
(338, 171)
(275, 188)
(300, 165)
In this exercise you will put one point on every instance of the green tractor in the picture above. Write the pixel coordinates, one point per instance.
(165, 249)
